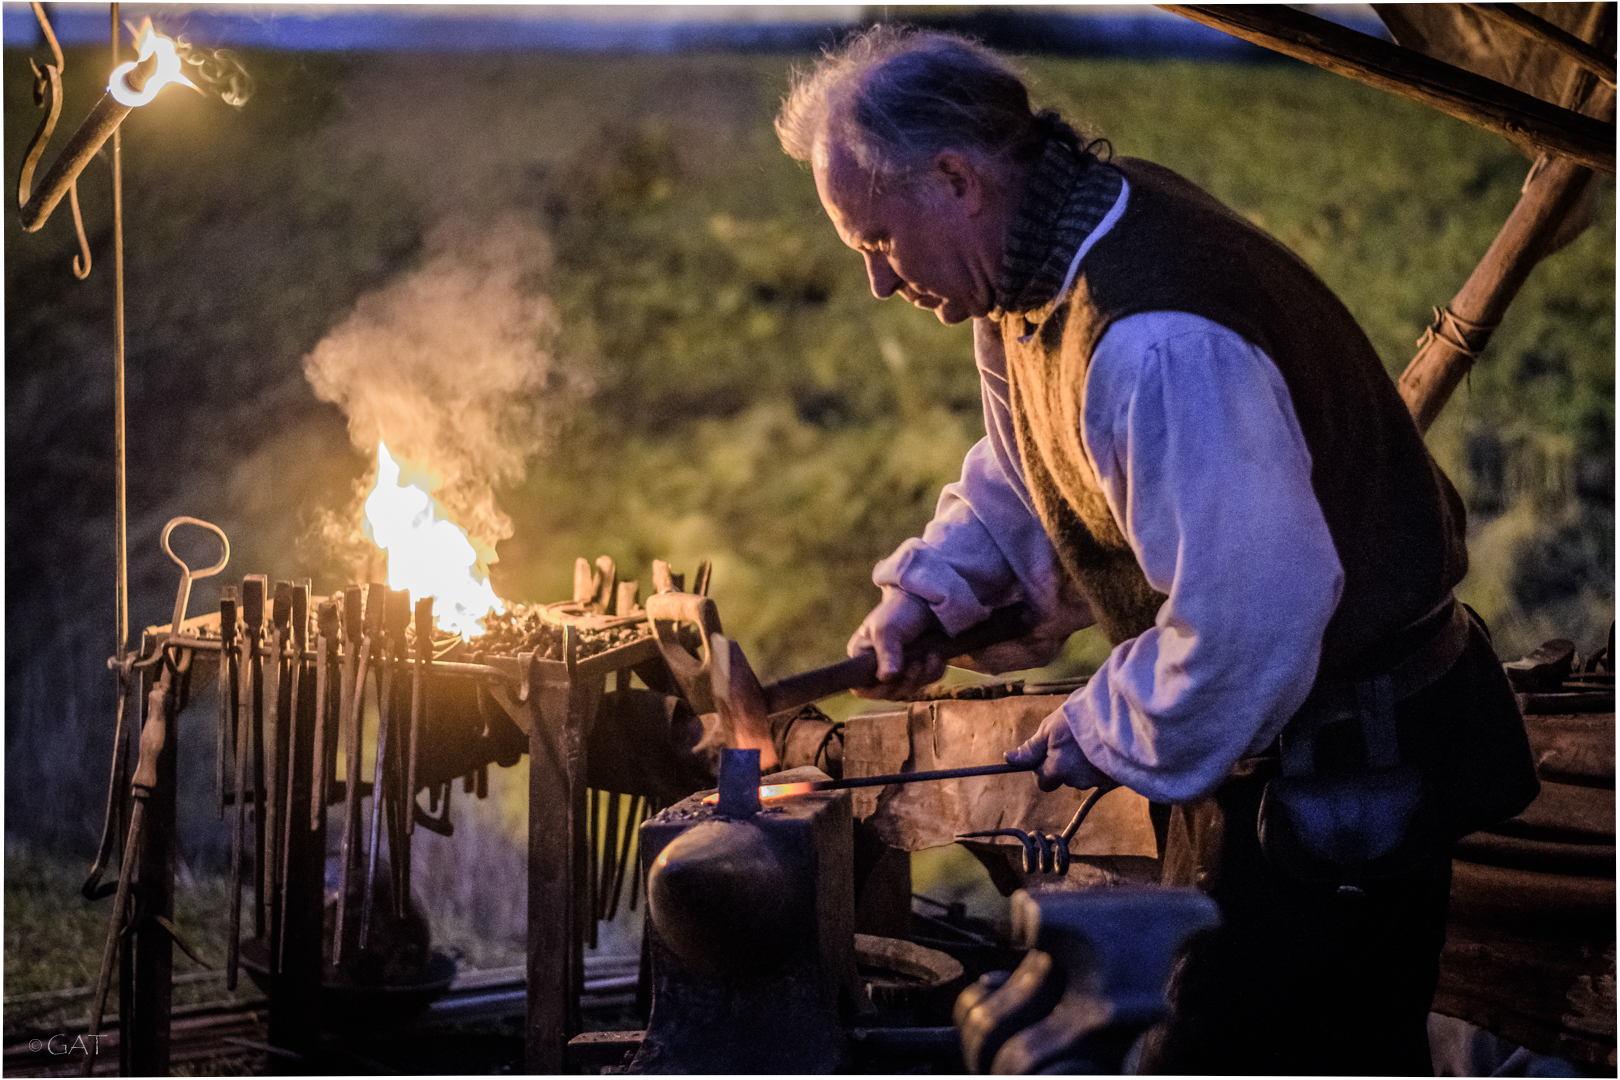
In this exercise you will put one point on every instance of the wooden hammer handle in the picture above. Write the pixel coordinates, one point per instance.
(859, 672)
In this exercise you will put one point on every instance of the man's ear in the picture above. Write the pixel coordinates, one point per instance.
(962, 179)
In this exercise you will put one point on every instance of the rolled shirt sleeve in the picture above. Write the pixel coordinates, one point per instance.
(1203, 465)
(985, 547)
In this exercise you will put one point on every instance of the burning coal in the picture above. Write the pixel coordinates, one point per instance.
(450, 365)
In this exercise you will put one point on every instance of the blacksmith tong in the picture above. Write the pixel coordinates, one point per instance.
(161, 707)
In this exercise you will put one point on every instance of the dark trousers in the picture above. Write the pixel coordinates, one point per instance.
(1300, 978)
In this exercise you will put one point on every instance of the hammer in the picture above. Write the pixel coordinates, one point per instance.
(737, 692)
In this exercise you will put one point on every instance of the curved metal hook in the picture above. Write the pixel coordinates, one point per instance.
(1048, 853)
(81, 261)
(1032, 855)
(187, 575)
(48, 95)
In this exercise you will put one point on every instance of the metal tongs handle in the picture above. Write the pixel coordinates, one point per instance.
(187, 574)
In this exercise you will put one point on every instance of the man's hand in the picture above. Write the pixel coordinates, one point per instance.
(899, 619)
(1058, 758)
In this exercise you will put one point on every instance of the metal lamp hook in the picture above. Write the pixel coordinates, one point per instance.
(104, 119)
(48, 96)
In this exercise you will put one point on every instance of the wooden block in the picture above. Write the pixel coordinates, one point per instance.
(952, 734)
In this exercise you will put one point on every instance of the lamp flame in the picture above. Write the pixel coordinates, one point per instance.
(427, 554)
(148, 42)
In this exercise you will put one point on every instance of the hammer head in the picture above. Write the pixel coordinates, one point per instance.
(740, 697)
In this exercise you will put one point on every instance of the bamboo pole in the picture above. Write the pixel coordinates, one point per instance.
(1461, 330)
(1410, 74)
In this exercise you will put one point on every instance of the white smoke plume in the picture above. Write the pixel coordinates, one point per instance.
(451, 366)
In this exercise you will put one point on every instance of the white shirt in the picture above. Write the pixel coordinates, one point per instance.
(1207, 475)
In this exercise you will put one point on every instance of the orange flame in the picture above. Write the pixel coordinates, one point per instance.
(427, 554)
(772, 791)
(148, 42)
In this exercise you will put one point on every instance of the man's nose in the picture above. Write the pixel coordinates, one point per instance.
(884, 280)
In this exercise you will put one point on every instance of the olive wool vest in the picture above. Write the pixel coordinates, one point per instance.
(1396, 522)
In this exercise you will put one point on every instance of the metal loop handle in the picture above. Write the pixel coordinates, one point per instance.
(187, 574)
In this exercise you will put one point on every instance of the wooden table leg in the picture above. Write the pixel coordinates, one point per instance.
(560, 712)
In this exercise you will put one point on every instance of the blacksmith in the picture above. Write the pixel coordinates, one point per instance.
(1192, 445)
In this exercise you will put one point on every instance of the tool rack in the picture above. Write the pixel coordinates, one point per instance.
(552, 703)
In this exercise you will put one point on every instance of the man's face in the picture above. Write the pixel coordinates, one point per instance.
(921, 239)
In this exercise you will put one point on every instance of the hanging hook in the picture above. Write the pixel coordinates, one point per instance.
(109, 112)
(48, 96)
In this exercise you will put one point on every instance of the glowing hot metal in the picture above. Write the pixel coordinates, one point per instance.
(778, 791)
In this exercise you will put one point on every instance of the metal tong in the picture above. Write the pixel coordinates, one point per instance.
(162, 704)
(362, 622)
(397, 616)
(247, 722)
(1048, 853)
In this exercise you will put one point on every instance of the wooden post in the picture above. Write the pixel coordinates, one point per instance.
(1410, 74)
(1449, 349)
(143, 1027)
(562, 702)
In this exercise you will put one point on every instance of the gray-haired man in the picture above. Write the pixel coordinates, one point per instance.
(1191, 444)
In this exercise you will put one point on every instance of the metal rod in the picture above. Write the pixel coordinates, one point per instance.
(388, 642)
(610, 846)
(424, 660)
(285, 823)
(120, 496)
(252, 612)
(275, 738)
(632, 819)
(893, 778)
(353, 702)
(593, 834)
(92, 889)
(223, 738)
(325, 653)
